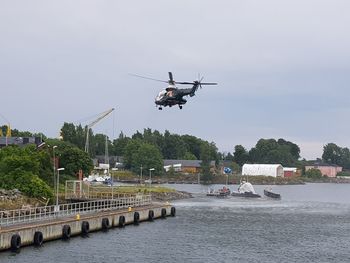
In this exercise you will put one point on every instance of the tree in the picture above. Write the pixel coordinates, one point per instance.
(68, 133)
(293, 149)
(71, 157)
(80, 137)
(228, 157)
(345, 158)
(98, 144)
(205, 163)
(130, 150)
(174, 146)
(272, 151)
(17, 133)
(213, 152)
(189, 156)
(120, 144)
(193, 145)
(240, 155)
(21, 167)
(334, 154)
(139, 153)
(149, 157)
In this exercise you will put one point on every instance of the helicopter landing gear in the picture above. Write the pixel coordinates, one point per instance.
(160, 108)
(180, 106)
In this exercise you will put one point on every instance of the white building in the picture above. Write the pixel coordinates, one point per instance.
(273, 170)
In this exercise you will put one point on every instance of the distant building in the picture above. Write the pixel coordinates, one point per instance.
(19, 141)
(274, 170)
(185, 166)
(290, 172)
(329, 170)
(114, 161)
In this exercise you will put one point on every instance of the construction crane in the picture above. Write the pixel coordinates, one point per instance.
(90, 125)
(8, 129)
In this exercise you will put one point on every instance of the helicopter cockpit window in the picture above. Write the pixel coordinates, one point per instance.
(161, 94)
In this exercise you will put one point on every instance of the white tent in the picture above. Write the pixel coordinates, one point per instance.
(262, 169)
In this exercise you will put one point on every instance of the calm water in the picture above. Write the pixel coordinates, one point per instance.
(310, 224)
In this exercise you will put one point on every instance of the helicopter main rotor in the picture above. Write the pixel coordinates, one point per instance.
(171, 80)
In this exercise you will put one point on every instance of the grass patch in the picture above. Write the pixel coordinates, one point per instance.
(133, 189)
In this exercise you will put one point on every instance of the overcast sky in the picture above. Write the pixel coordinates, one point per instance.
(283, 68)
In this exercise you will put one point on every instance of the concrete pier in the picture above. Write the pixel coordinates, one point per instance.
(41, 231)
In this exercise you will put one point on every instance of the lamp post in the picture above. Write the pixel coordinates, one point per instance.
(54, 166)
(150, 175)
(57, 186)
(141, 176)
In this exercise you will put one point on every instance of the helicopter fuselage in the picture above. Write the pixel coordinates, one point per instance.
(173, 96)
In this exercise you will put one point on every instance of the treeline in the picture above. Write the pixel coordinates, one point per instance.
(17, 133)
(284, 152)
(30, 169)
(171, 146)
(268, 151)
(146, 149)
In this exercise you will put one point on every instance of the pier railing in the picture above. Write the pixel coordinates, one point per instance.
(26, 215)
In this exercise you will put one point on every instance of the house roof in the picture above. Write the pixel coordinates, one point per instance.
(289, 169)
(324, 164)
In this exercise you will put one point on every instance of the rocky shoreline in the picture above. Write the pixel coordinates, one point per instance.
(10, 195)
(14, 199)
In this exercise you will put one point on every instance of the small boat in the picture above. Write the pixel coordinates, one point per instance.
(245, 189)
(224, 192)
(271, 194)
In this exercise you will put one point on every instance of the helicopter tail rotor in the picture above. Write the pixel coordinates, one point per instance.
(200, 80)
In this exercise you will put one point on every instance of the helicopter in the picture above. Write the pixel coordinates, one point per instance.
(172, 95)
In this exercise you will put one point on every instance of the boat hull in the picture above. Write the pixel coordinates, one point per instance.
(220, 195)
(246, 194)
(272, 194)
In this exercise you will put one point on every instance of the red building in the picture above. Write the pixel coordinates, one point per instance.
(290, 172)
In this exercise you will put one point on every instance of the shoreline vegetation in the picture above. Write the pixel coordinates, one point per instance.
(128, 177)
(14, 199)
(28, 168)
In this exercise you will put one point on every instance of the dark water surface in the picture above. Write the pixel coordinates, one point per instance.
(310, 224)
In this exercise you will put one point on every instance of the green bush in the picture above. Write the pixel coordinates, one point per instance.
(343, 173)
(313, 173)
(28, 183)
(38, 188)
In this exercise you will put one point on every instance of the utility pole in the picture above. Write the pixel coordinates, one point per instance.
(54, 166)
(141, 176)
(150, 176)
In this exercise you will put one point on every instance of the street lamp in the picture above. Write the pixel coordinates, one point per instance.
(141, 176)
(54, 166)
(150, 175)
(57, 185)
